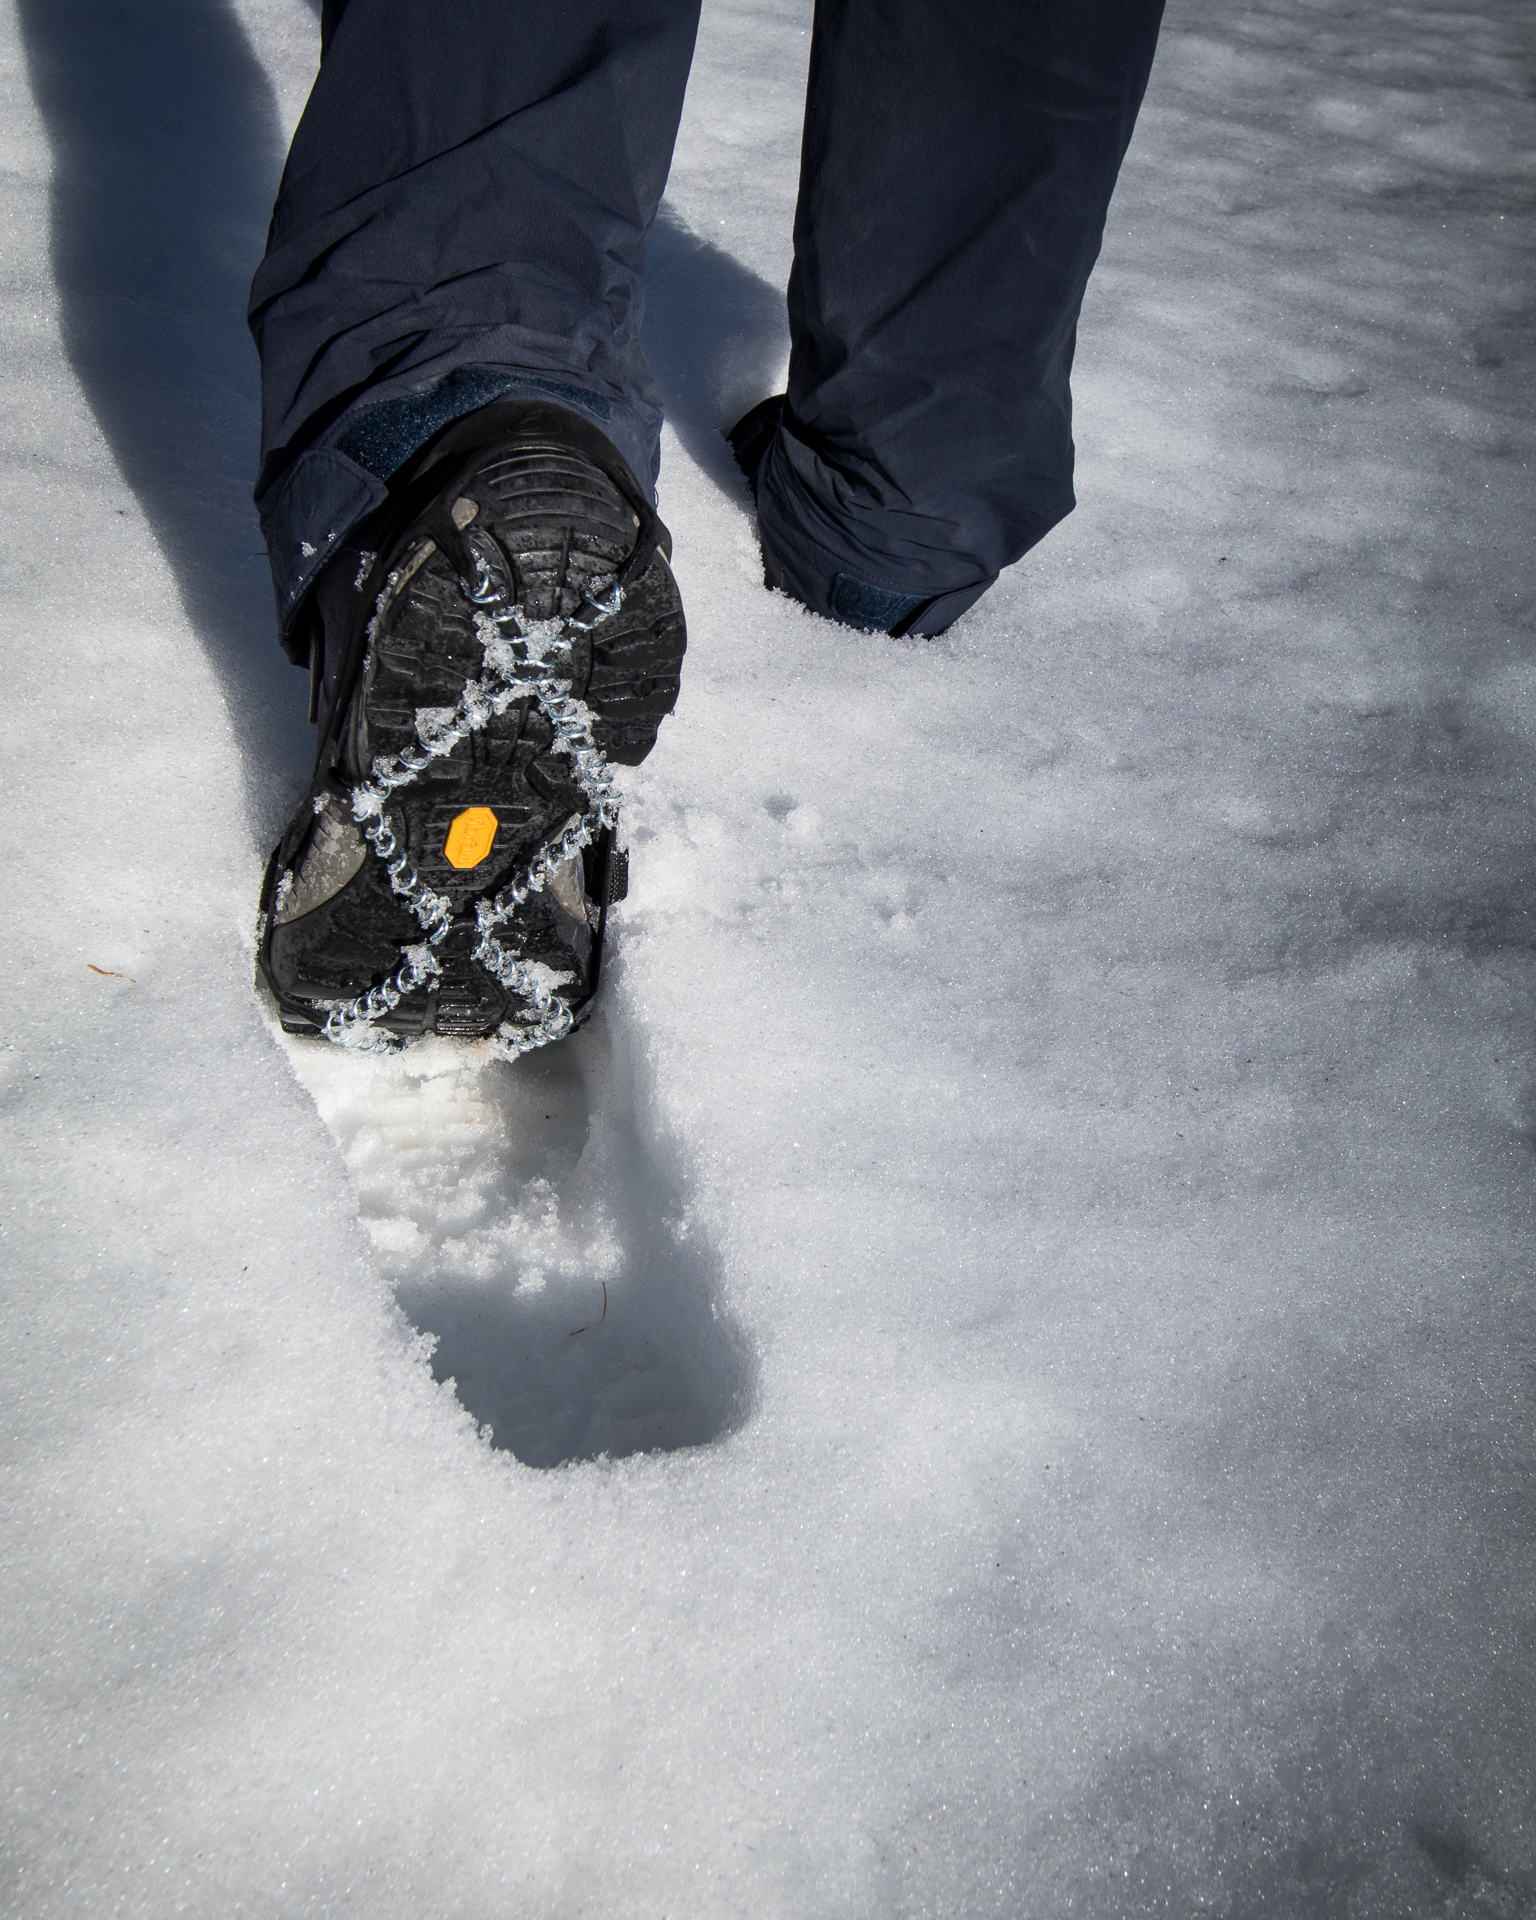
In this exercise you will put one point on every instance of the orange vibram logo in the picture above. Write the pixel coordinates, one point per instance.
(469, 838)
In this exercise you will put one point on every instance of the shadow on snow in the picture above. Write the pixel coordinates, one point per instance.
(166, 154)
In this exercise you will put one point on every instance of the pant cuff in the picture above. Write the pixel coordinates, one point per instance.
(831, 570)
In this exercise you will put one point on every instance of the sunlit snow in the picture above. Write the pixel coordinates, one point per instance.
(994, 1378)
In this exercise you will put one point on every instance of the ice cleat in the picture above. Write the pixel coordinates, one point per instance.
(514, 630)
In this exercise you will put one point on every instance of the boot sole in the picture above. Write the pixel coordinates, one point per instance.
(475, 819)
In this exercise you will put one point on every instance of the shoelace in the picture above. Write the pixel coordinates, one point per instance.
(523, 661)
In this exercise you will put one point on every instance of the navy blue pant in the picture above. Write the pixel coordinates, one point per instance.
(463, 216)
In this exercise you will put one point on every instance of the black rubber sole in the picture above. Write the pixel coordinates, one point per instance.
(475, 819)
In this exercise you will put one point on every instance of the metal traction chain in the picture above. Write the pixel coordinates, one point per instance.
(522, 659)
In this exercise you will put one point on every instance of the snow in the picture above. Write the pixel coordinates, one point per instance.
(1007, 1344)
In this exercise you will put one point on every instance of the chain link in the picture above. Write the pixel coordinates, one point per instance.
(523, 660)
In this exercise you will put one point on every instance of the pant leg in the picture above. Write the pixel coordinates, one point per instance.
(463, 212)
(957, 165)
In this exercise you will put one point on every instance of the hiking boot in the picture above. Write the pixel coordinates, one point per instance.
(505, 628)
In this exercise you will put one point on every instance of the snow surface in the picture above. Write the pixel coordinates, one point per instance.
(1025, 1290)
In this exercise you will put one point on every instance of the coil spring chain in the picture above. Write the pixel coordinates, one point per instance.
(523, 660)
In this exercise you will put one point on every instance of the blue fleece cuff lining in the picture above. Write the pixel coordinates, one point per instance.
(857, 604)
(383, 437)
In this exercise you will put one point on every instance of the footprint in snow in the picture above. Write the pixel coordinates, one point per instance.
(523, 1219)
